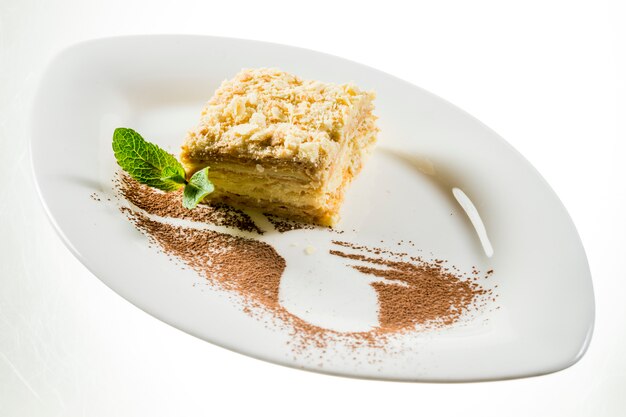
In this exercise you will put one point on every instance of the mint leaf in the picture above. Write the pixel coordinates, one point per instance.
(173, 174)
(146, 162)
(197, 188)
(153, 166)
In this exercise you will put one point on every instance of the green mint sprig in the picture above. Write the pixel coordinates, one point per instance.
(150, 165)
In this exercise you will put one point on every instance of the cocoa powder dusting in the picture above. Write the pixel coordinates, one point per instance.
(413, 293)
(250, 267)
(285, 225)
(163, 204)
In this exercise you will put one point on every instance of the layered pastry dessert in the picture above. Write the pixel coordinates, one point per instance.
(284, 145)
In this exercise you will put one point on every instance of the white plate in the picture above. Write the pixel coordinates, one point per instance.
(427, 147)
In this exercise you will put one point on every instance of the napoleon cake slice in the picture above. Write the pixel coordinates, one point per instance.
(281, 144)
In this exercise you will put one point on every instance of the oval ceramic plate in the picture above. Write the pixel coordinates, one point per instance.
(438, 178)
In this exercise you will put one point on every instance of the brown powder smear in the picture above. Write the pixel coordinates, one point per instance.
(416, 292)
(250, 267)
(169, 204)
(285, 225)
(412, 293)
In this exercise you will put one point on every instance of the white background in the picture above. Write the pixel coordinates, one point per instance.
(549, 76)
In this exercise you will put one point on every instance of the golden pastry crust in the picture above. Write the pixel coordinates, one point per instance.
(269, 114)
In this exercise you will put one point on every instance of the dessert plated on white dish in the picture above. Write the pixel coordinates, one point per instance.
(439, 185)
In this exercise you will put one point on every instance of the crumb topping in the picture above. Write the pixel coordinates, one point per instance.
(270, 114)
